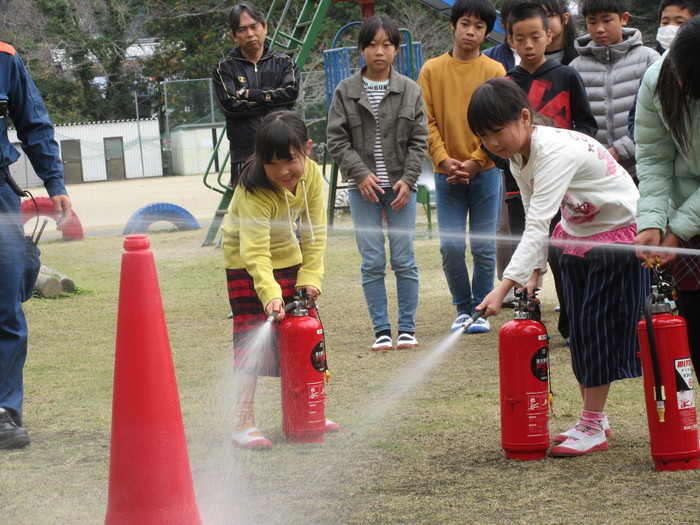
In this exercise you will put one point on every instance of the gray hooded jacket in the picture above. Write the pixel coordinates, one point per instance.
(612, 75)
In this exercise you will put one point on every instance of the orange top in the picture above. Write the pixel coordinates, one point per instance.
(7, 48)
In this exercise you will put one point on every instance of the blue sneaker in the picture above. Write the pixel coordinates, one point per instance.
(480, 326)
(459, 322)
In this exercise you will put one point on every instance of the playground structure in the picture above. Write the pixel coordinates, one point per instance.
(337, 66)
(43, 207)
(160, 211)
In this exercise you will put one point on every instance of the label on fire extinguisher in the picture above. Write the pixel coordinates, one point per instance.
(684, 383)
(539, 364)
(537, 410)
(318, 357)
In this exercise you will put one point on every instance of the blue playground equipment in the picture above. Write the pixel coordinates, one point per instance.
(160, 211)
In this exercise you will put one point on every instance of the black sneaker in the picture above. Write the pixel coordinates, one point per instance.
(11, 436)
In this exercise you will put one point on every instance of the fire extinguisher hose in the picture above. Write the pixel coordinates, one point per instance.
(660, 395)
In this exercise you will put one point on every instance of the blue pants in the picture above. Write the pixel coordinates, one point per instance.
(480, 201)
(369, 233)
(13, 325)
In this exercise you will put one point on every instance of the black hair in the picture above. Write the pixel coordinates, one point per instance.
(526, 11)
(693, 6)
(560, 8)
(494, 104)
(372, 26)
(678, 85)
(484, 10)
(279, 134)
(506, 8)
(594, 7)
(234, 16)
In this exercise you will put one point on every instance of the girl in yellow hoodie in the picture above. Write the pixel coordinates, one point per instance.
(265, 261)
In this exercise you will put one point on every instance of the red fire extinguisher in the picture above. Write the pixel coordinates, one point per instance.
(668, 382)
(523, 351)
(303, 370)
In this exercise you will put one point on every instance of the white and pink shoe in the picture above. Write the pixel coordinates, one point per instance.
(560, 438)
(582, 440)
(251, 438)
(331, 426)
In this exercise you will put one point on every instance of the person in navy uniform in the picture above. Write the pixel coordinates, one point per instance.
(21, 102)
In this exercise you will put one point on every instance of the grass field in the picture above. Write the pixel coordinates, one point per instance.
(420, 442)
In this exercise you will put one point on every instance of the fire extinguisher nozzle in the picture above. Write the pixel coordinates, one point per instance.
(661, 410)
(270, 319)
(466, 324)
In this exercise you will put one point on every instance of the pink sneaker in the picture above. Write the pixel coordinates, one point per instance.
(251, 438)
(581, 441)
(560, 438)
(332, 426)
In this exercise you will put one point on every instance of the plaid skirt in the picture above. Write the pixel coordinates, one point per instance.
(256, 355)
(604, 294)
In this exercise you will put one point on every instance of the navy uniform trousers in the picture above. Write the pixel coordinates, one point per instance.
(13, 325)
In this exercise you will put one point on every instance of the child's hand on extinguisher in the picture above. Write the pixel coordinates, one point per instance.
(276, 308)
(311, 291)
(493, 302)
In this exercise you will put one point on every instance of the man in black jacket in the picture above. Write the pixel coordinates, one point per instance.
(251, 81)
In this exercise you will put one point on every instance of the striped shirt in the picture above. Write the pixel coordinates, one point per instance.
(375, 93)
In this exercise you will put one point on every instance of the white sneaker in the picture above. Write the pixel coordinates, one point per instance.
(459, 322)
(560, 438)
(581, 441)
(480, 326)
(406, 341)
(382, 343)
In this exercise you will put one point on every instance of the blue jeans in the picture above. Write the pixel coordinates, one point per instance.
(13, 326)
(480, 201)
(369, 233)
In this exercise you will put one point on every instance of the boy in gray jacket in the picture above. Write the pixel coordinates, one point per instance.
(611, 62)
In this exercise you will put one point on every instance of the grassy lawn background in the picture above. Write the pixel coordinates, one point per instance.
(420, 442)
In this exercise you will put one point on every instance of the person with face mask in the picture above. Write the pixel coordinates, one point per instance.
(672, 15)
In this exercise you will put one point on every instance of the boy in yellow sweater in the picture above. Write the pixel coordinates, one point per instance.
(467, 183)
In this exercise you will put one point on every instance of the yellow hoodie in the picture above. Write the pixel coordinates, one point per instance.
(259, 233)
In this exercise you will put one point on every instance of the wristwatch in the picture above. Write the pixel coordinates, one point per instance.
(241, 92)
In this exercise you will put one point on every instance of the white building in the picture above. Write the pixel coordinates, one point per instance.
(99, 151)
(192, 148)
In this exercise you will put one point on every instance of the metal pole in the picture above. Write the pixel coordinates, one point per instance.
(138, 126)
(211, 99)
(167, 115)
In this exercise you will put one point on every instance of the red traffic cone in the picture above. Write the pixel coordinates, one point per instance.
(149, 471)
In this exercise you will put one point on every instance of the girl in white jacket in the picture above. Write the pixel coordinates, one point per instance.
(604, 286)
